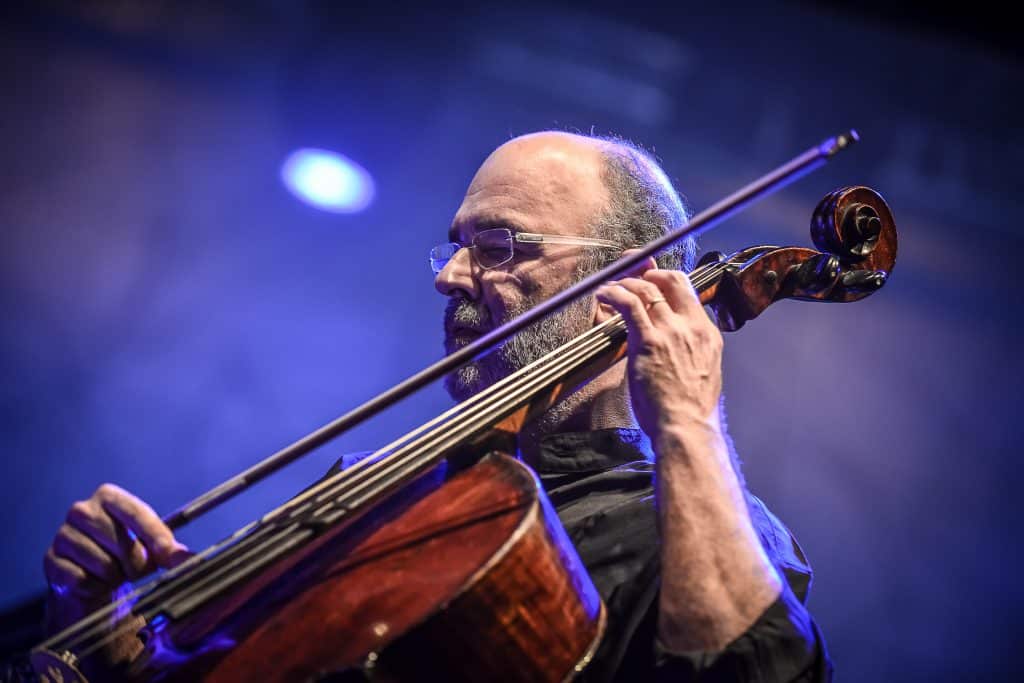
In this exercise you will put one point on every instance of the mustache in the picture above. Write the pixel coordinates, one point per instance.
(463, 313)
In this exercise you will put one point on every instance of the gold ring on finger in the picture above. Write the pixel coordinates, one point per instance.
(662, 300)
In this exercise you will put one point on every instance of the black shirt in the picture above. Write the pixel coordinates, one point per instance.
(601, 484)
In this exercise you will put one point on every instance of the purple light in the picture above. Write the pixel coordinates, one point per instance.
(327, 180)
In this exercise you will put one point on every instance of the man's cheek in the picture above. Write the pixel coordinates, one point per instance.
(497, 308)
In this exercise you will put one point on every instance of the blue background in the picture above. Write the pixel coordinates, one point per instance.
(171, 314)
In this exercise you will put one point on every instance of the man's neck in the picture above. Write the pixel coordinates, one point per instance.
(601, 404)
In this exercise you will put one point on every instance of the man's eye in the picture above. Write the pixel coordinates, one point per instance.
(493, 255)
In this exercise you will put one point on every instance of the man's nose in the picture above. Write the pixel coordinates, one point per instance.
(458, 275)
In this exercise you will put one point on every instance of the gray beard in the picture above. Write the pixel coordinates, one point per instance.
(530, 344)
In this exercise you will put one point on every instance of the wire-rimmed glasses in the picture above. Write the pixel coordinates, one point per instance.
(495, 247)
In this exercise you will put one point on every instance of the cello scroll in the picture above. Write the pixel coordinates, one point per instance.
(855, 234)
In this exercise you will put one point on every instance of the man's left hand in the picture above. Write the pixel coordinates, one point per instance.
(675, 351)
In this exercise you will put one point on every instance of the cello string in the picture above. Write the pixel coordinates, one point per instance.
(698, 281)
(423, 457)
(698, 277)
(99, 617)
(395, 469)
(377, 458)
(455, 439)
(253, 551)
(463, 407)
(404, 466)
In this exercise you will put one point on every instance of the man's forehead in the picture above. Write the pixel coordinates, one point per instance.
(551, 179)
(467, 223)
(543, 155)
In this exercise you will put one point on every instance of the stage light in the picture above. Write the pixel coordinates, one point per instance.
(327, 180)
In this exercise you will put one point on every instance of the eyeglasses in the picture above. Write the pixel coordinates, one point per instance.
(495, 247)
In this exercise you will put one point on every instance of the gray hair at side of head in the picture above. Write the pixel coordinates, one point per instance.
(643, 206)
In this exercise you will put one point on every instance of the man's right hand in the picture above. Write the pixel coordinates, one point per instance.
(106, 540)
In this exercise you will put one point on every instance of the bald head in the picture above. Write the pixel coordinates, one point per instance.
(629, 197)
(555, 182)
(554, 146)
(553, 174)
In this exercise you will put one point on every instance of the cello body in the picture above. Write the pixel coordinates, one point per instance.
(478, 582)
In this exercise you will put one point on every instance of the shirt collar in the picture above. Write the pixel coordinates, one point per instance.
(601, 449)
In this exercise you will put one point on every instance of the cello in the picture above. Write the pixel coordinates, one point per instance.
(324, 584)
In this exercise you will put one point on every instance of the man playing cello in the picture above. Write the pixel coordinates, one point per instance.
(700, 581)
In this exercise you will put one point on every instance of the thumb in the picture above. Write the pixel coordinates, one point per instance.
(178, 554)
(603, 311)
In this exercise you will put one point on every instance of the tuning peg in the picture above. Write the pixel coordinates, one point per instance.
(818, 273)
(863, 280)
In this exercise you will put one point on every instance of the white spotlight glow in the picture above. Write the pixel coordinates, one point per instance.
(327, 180)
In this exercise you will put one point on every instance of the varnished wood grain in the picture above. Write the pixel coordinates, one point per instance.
(476, 582)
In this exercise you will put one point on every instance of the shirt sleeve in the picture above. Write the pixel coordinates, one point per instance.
(783, 645)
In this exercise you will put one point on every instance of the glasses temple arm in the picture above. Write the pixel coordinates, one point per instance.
(534, 238)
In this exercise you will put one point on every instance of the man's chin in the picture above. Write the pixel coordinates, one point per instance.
(473, 377)
(458, 388)
(451, 346)
(459, 382)
(458, 341)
